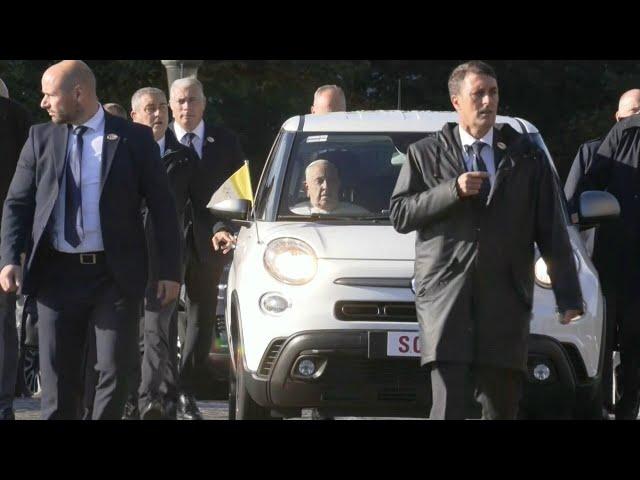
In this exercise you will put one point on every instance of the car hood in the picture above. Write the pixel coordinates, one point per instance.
(360, 242)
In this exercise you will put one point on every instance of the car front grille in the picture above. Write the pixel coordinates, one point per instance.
(376, 311)
(270, 357)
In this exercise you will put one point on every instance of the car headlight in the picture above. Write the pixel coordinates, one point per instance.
(290, 261)
(542, 276)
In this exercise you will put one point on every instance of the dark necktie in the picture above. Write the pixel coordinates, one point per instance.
(190, 136)
(73, 228)
(478, 165)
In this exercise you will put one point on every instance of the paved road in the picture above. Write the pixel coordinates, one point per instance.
(29, 409)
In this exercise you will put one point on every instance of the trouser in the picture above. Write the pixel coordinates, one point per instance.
(498, 390)
(629, 341)
(73, 298)
(8, 349)
(158, 376)
(201, 282)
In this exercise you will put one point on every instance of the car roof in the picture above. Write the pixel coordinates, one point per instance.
(387, 121)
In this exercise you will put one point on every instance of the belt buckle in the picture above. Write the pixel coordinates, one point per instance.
(88, 258)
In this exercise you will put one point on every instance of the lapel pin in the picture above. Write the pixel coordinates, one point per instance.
(210, 139)
(501, 146)
(112, 136)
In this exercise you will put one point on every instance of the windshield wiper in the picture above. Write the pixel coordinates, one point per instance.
(324, 216)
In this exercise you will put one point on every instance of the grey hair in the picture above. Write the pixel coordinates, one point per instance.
(115, 109)
(152, 91)
(335, 88)
(460, 72)
(186, 83)
(4, 91)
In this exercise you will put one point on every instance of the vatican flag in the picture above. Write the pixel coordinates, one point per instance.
(237, 186)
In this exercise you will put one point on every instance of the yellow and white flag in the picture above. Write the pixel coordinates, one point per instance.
(237, 186)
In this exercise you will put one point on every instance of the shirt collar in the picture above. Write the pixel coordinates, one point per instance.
(181, 132)
(95, 123)
(161, 144)
(467, 139)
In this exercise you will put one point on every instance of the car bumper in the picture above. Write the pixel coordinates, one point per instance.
(353, 379)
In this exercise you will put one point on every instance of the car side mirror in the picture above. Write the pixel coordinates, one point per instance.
(597, 207)
(235, 210)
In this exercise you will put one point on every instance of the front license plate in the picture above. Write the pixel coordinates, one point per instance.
(403, 344)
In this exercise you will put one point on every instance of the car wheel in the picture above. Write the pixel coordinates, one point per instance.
(30, 372)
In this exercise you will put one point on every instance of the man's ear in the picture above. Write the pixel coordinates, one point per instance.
(133, 115)
(306, 188)
(455, 101)
(313, 109)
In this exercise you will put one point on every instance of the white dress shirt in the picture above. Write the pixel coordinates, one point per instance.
(486, 153)
(91, 169)
(162, 144)
(198, 140)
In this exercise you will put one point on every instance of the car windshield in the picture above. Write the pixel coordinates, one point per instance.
(343, 176)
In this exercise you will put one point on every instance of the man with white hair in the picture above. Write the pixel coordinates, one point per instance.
(322, 184)
(327, 99)
(218, 155)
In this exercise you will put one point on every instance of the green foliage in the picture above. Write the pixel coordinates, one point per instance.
(569, 101)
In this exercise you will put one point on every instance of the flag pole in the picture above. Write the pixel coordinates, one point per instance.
(252, 213)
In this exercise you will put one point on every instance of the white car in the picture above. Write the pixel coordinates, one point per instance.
(320, 308)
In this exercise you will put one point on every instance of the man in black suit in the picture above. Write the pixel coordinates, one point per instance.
(479, 196)
(14, 129)
(158, 390)
(218, 155)
(605, 254)
(75, 203)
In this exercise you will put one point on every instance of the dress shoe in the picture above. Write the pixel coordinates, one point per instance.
(154, 410)
(131, 411)
(7, 414)
(187, 407)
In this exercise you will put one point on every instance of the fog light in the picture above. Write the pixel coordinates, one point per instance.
(306, 367)
(541, 372)
(273, 303)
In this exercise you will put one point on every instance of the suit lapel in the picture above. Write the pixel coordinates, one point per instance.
(61, 137)
(502, 161)
(454, 148)
(207, 142)
(110, 143)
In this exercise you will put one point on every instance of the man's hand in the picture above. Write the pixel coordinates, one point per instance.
(168, 291)
(570, 315)
(469, 183)
(223, 240)
(11, 278)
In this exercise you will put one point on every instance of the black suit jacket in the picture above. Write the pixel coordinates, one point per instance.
(131, 171)
(179, 162)
(221, 157)
(474, 263)
(14, 129)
